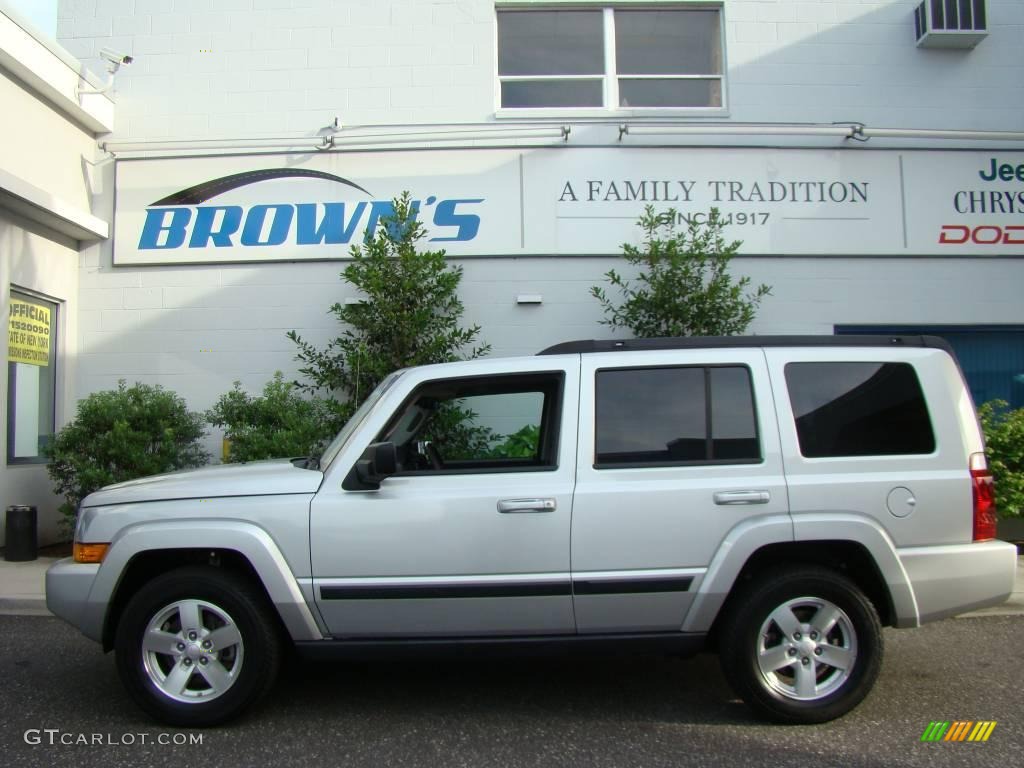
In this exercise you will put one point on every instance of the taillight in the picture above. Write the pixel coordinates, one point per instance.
(984, 498)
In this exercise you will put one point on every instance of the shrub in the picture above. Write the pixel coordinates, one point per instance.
(1004, 447)
(279, 423)
(119, 435)
(410, 314)
(683, 287)
(519, 445)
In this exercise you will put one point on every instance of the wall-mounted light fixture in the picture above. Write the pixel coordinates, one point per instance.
(853, 130)
(331, 137)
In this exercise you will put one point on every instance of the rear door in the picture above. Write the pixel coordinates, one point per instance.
(675, 450)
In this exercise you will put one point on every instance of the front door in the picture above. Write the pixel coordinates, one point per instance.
(470, 537)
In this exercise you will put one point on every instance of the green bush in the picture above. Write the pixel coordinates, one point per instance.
(683, 286)
(1004, 447)
(410, 314)
(279, 423)
(519, 445)
(120, 435)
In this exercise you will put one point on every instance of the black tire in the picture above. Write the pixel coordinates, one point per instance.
(244, 669)
(801, 692)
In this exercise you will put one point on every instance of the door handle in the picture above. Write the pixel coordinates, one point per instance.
(727, 498)
(527, 505)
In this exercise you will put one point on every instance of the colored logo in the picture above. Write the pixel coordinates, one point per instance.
(187, 219)
(959, 730)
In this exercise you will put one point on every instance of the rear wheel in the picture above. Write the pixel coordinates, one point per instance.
(802, 646)
(197, 646)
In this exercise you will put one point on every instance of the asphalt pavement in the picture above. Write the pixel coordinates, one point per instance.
(63, 704)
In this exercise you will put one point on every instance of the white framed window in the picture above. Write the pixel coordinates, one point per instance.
(618, 58)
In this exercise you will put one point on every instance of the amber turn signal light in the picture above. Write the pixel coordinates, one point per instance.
(90, 553)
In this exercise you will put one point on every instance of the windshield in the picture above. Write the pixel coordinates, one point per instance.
(358, 417)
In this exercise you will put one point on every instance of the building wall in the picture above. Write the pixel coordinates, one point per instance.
(50, 155)
(242, 67)
(35, 258)
(43, 147)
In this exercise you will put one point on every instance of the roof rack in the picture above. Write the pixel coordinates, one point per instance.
(707, 342)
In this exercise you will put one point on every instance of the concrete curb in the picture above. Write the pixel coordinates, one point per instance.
(23, 587)
(10, 606)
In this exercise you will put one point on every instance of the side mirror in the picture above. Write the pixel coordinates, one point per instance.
(379, 461)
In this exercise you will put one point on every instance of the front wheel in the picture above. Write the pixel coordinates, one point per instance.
(196, 646)
(802, 646)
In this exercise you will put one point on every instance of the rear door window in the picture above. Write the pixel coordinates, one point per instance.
(675, 415)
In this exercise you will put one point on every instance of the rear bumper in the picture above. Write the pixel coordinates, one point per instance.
(955, 579)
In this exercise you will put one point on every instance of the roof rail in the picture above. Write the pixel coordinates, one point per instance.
(708, 342)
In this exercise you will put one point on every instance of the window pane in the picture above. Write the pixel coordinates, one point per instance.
(479, 424)
(859, 409)
(651, 415)
(680, 42)
(552, 93)
(550, 43)
(31, 377)
(733, 424)
(670, 93)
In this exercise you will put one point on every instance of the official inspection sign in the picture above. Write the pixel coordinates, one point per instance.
(28, 333)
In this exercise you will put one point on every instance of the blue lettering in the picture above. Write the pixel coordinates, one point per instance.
(156, 225)
(315, 223)
(383, 209)
(331, 229)
(446, 216)
(206, 217)
(280, 224)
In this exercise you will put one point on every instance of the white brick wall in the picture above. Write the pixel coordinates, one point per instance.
(321, 51)
(240, 68)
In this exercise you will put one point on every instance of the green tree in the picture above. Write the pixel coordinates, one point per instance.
(1004, 447)
(410, 314)
(683, 286)
(278, 423)
(119, 435)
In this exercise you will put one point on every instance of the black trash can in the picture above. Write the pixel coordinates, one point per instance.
(20, 542)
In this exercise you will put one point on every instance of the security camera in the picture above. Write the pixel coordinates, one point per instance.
(115, 59)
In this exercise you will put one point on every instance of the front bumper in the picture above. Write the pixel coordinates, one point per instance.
(955, 579)
(68, 585)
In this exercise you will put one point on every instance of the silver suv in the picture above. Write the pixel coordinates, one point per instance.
(779, 499)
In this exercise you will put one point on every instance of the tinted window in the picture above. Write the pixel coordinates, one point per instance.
(733, 425)
(550, 43)
(667, 42)
(668, 57)
(675, 415)
(859, 409)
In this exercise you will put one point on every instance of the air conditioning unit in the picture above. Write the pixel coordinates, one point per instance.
(950, 23)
